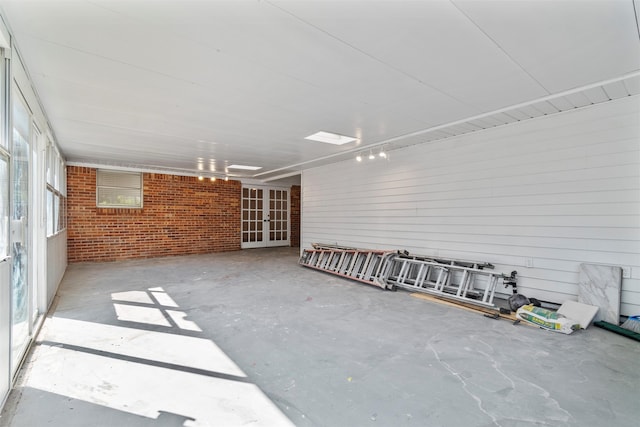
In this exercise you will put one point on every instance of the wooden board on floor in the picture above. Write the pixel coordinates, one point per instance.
(466, 306)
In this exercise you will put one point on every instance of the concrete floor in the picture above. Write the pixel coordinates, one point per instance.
(251, 338)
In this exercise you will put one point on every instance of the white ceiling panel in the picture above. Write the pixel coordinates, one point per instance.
(562, 44)
(183, 83)
(408, 37)
(256, 35)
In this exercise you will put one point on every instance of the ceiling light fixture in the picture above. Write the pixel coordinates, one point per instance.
(358, 158)
(245, 167)
(382, 153)
(226, 178)
(200, 178)
(330, 138)
(213, 179)
(371, 156)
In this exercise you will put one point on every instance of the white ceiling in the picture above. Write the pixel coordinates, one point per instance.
(176, 84)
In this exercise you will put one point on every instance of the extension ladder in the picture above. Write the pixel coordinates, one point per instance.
(467, 281)
(453, 279)
(363, 265)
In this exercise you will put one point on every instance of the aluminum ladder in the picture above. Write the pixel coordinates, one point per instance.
(453, 279)
(363, 265)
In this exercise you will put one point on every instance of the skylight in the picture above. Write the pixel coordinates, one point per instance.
(331, 138)
(245, 167)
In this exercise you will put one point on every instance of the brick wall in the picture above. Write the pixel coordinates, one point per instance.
(295, 216)
(180, 216)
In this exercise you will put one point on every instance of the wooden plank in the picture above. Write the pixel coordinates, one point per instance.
(467, 306)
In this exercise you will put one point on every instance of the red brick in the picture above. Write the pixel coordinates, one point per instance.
(180, 216)
(295, 216)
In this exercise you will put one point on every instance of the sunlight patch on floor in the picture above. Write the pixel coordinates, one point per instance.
(134, 313)
(141, 297)
(145, 372)
(145, 390)
(190, 352)
(153, 307)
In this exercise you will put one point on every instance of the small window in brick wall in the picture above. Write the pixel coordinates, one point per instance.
(117, 189)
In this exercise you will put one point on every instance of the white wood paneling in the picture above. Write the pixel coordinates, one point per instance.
(556, 191)
(56, 263)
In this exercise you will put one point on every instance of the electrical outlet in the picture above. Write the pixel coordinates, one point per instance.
(626, 272)
(528, 262)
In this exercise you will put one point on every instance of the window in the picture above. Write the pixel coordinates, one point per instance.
(119, 189)
(56, 211)
(51, 213)
(56, 191)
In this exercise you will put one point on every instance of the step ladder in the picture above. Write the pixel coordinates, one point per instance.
(466, 281)
(363, 265)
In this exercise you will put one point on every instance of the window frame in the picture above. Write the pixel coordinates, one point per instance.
(140, 189)
(56, 211)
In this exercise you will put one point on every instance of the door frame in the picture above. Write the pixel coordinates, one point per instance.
(266, 220)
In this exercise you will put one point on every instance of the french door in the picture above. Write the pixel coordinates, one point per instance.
(265, 217)
(20, 281)
(5, 279)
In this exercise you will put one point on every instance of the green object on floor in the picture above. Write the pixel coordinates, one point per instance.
(617, 329)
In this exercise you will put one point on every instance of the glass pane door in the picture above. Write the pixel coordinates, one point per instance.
(265, 217)
(35, 269)
(19, 233)
(5, 282)
(278, 218)
(253, 219)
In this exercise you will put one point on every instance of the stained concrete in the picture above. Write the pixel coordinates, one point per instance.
(251, 338)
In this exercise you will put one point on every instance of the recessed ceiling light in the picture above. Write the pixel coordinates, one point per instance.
(245, 167)
(330, 138)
